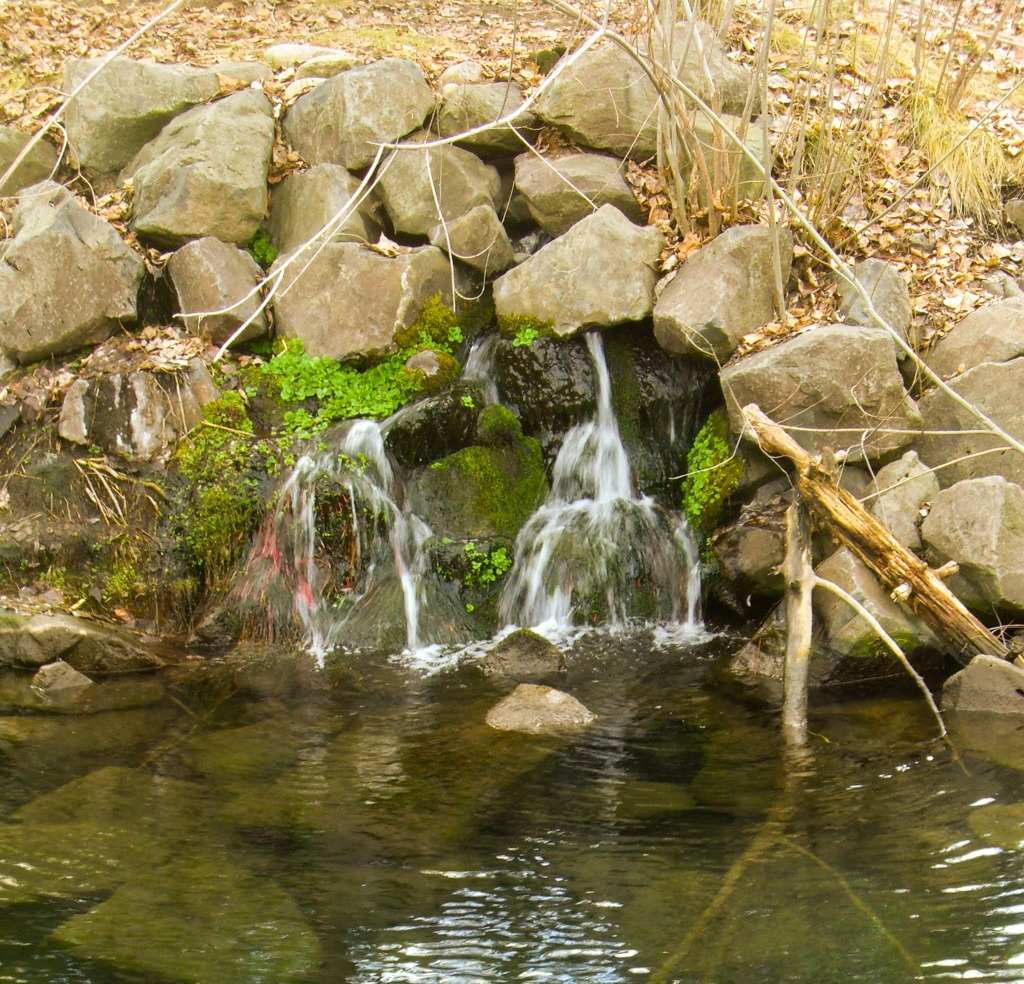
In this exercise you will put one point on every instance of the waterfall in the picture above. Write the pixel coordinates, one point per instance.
(338, 553)
(478, 368)
(595, 551)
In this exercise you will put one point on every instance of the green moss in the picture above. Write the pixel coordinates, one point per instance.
(524, 326)
(713, 474)
(261, 249)
(497, 426)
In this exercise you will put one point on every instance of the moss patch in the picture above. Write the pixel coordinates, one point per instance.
(713, 474)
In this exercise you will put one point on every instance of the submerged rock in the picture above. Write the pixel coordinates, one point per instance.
(538, 710)
(525, 657)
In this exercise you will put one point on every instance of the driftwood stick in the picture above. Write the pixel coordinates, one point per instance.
(799, 574)
(894, 565)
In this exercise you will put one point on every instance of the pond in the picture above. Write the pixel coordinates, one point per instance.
(382, 833)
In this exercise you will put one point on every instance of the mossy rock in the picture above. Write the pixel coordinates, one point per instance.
(483, 491)
(713, 474)
(498, 427)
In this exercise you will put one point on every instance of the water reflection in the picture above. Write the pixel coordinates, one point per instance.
(388, 835)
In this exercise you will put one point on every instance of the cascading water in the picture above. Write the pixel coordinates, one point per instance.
(343, 559)
(595, 551)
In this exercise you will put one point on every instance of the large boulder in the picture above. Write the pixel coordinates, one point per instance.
(347, 302)
(305, 202)
(988, 684)
(39, 163)
(840, 380)
(994, 333)
(87, 647)
(604, 100)
(125, 106)
(487, 490)
(135, 414)
(537, 710)
(343, 120)
(206, 174)
(979, 523)
(467, 107)
(560, 191)
(722, 292)
(66, 278)
(209, 275)
(889, 295)
(846, 631)
(897, 494)
(954, 439)
(600, 273)
(420, 188)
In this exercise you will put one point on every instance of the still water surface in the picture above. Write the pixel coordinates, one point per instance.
(385, 834)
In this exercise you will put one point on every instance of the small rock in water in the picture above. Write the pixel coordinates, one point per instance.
(524, 657)
(536, 710)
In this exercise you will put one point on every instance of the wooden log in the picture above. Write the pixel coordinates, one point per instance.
(799, 574)
(901, 571)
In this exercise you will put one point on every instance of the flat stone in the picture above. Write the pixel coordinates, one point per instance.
(987, 683)
(840, 380)
(560, 191)
(538, 710)
(344, 119)
(722, 292)
(209, 275)
(66, 278)
(206, 174)
(600, 273)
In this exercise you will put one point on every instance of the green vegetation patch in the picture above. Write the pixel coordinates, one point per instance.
(524, 329)
(713, 473)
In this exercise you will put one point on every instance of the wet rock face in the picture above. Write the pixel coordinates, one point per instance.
(549, 384)
(344, 119)
(66, 279)
(525, 657)
(206, 174)
(434, 427)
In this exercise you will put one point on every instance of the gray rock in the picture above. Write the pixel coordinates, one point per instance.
(952, 436)
(889, 296)
(1015, 213)
(994, 333)
(466, 107)
(135, 414)
(846, 632)
(326, 66)
(750, 550)
(463, 73)
(363, 298)
(556, 190)
(87, 647)
(242, 71)
(126, 105)
(209, 275)
(841, 380)
(987, 683)
(979, 523)
(699, 62)
(290, 54)
(605, 101)
(38, 165)
(538, 710)
(305, 202)
(478, 239)
(343, 120)
(600, 273)
(897, 494)
(206, 174)
(411, 180)
(58, 682)
(66, 279)
(525, 657)
(722, 292)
